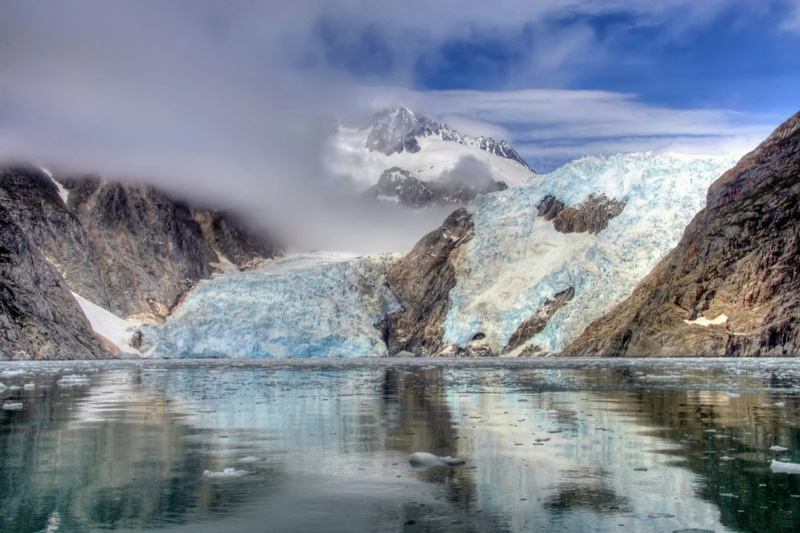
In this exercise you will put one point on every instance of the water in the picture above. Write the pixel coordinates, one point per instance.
(549, 445)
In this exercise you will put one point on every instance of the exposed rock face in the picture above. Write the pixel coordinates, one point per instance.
(737, 263)
(592, 215)
(39, 319)
(229, 237)
(149, 248)
(421, 281)
(390, 129)
(396, 184)
(536, 323)
(34, 203)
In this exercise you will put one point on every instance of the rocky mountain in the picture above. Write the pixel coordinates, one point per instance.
(401, 157)
(39, 319)
(399, 130)
(731, 286)
(398, 185)
(126, 248)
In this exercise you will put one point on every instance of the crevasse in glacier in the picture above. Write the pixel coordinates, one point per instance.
(309, 305)
(516, 261)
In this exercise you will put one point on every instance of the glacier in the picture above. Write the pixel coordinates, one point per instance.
(305, 305)
(332, 305)
(517, 260)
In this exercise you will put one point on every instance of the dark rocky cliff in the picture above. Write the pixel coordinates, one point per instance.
(421, 281)
(738, 259)
(149, 249)
(34, 203)
(39, 318)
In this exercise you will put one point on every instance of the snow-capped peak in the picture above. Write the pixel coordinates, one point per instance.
(427, 150)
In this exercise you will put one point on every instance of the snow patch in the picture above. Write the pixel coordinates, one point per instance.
(703, 321)
(62, 191)
(109, 326)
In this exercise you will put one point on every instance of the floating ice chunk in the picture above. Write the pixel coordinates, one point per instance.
(11, 373)
(705, 322)
(734, 395)
(728, 495)
(14, 388)
(779, 404)
(74, 380)
(250, 459)
(778, 467)
(726, 458)
(12, 406)
(778, 449)
(29, 386)
(227, 473)
(428, 460)
(2, 387)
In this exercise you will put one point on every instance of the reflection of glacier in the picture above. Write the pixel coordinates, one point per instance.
(315, 305)
(516, 262)
(570, 461)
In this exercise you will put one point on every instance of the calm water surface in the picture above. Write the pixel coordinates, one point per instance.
(549, 445)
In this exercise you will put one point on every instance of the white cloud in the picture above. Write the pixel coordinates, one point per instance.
(561, 125)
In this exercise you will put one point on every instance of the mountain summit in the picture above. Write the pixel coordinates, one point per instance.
(410, 159)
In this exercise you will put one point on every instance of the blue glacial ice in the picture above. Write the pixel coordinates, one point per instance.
(516, 262)
(308, 305)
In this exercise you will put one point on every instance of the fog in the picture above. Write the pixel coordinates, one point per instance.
(231, 103)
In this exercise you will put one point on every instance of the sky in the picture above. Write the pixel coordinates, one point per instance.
(231, 102)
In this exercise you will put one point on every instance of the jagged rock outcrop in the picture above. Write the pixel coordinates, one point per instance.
(536, 323)
(39, 318)
(592, 215)
(34, 203)
(421, 281)
(231, 238)
(732, 285)
(398, 185)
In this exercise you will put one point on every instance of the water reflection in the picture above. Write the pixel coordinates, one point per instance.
(637, 446)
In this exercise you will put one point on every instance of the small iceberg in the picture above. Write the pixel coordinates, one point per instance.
(74, 380)
(227, 473)
(12, 406)
(250, 459)
(778, 467)
(426, 460)
(778, 449)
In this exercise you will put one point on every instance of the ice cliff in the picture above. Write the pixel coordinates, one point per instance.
(518, 265)
(309, 305)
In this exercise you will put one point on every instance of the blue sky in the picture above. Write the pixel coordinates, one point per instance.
(232, 101)
(733, 60)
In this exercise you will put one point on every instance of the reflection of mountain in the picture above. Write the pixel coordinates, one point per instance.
(113, 469)
(549, 448)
